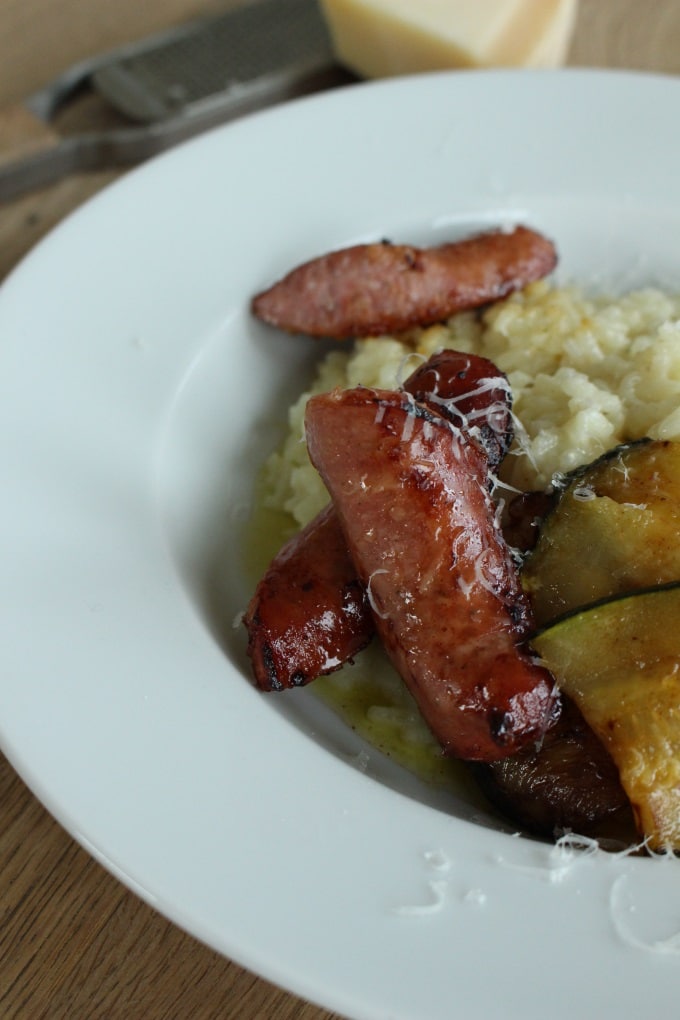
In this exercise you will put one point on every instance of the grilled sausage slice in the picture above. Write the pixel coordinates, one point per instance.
(470, 392)
(308, 615)
(412, 497)
(369, 289)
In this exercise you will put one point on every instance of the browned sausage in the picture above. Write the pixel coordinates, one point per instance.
(412, 497)
(370, 289)
(472, 393)
(524, 517)
(568, 783)
(308, 615)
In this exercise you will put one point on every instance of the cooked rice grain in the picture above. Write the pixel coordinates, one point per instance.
(586, 374)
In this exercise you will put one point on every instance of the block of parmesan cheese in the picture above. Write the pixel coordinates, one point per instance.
(383, 38)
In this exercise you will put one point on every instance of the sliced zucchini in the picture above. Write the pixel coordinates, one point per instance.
(616, 528)
(620, 662)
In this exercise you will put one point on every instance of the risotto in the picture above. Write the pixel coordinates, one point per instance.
(586, 374)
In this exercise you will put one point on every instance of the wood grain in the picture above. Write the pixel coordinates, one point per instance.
(640, 35)
(74, 943)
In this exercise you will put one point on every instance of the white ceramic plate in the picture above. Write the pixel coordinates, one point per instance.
(137, 398)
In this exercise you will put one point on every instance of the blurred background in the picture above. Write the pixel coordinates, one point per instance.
(40, 38)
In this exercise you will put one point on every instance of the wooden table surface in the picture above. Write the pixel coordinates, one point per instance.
(74, 943)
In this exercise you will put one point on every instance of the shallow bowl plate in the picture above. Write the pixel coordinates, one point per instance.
(138, 397)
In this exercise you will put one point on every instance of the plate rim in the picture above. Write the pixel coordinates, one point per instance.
(363, 1000)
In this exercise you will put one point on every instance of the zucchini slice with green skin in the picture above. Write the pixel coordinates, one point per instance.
(619, 660)
(615, 529)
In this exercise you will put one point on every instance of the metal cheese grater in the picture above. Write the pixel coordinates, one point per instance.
(180, 82)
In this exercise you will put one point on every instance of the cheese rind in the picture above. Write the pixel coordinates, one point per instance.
(384, 38)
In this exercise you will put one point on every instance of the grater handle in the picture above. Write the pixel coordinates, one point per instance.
(40, 156)
(23, 135)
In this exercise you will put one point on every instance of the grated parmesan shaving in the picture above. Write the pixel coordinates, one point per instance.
(563, 856)
(482, 580)
(619, 913)
(438, 888)
(437, 860)
(522, 445)
(477, 896)
(370, 596)
(360, 760)
(404, 371)
(409, 426)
